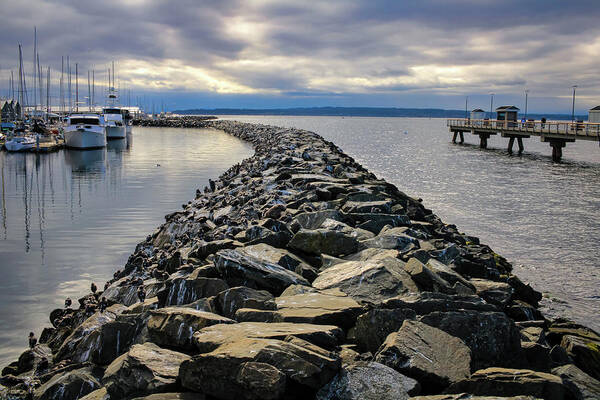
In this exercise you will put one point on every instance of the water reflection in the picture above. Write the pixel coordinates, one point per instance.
(74, 216)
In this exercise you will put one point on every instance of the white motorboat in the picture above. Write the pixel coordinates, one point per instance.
(19, 143)
(115, 126)
(85, 131)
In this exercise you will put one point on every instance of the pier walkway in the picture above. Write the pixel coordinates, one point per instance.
(556, 133)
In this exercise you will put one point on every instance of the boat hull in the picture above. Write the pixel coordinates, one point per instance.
(115, 132)
(85, 139)
(14, 146)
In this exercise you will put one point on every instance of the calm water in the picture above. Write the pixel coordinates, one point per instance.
(544, 217)
(73, 217)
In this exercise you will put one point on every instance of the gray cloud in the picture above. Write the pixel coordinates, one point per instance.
(302, 49)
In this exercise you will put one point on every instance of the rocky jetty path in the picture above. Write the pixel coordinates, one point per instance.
(300, 275)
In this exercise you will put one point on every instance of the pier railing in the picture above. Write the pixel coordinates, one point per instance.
(575, 129)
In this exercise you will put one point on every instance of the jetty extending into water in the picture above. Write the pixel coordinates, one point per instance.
(298, 274)
(556, 133)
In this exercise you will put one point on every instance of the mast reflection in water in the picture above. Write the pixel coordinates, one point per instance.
(72, 217)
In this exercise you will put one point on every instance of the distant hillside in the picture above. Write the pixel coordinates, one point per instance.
(355, 112)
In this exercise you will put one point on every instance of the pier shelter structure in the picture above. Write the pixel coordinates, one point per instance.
(556, 133)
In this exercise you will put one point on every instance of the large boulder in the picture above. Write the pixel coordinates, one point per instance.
(226, 373)
(392, 239)
(241, 269)
(492, 337)
(498, 293)
(332, 308)
(31, 358)
(144, 369)
(85, 340)
(98, 394)
(359, 234)
(174, 326)
(313, 220)
(210, 338)
(428, 302)
(374, 222)
(185, 290)
(580, 385)
(124, 292)
(427, 354)
(282, 257)
(368, 282)
(374, 326)
(368, 381)
(229, 301)
(69, 385)
(585, 353)
(511, 382)
(318, 241)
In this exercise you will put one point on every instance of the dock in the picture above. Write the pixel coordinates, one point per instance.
(555, 133)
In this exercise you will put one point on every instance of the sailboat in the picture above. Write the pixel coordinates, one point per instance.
(115, 126)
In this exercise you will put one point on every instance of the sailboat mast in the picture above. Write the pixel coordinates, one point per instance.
(47, 93)
(34, 68)
(62, 93)
(89, 93)
(69, 76)
(21, 96)
(41, 87)
(12, 85)
(93, 88)
(76, 87)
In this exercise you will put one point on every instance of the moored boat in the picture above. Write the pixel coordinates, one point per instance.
(19, 143)
(85, 131)
(115, 127)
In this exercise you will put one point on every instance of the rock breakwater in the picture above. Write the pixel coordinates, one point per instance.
(298, 274)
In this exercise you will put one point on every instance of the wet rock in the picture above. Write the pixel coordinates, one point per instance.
(498, 293)
(428, 302)
(524, 291)
(427, 279)
(85, 340)
(368, 282)
(325, 241)
(173, 327)
(427, 354)
(580, 385)
(521, 311)
(99, 394)
(374, 326)
(313, 220)
(533, 334)
(204, 249)
(70, 385)
(358, 233)
(219, 373)
(584, 352)
(492, 337)
(31, 358)
(319, 308)
(562, 327)
(511, 382)
(374, 222)
(372, 254)
(180, 291)
(252, 315)
(145, 368)
(392, 240)
(368, 381)
(172, 396)
(208, 339)
(229, 301)
(241, 269)
(283, 258)
(362, 207)
(261, 381)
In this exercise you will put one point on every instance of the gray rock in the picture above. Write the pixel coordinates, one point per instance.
(325, 241)
(498, 293)
(253, 315)
(580, 385)
(219, 373)
(173, 327)
(187, 290)
(492, 337)
(358, 233)
(427, 279)
(261, 381)
(331, 308)
(241, 269)
(210, 338)
(99, 394)
(172, 396)
(313, 220)
(427, 354)
(468, 396)
(584, 352)
(368, 281)
(368, 381)
(427, 302)
(144, 369)
(31, 358)
(511, 382)
(374, 222)
(374, 326)
(392, 240)
(231, 300)
(69, 385)
(282, 257)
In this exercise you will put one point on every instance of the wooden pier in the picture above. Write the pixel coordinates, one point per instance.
(557, 134)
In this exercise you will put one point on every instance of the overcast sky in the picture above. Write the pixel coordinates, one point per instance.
(263, 53)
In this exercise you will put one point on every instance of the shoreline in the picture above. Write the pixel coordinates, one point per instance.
(243, 265)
